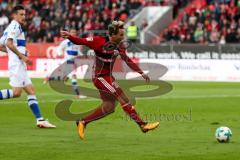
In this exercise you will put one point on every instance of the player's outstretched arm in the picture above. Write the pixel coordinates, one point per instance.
(11, 46)
(134, 66)
(77, 40)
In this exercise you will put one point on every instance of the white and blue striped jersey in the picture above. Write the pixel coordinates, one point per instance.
(15, 32)
(71, 50)
(1, 41)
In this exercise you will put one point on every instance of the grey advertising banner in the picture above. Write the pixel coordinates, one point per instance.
(183, 51)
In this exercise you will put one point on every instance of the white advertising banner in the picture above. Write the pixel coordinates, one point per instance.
(178, 69)
(199, 70)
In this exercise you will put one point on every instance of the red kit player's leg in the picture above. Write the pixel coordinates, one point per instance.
(109, 92)
(109, 85)
(107, 107)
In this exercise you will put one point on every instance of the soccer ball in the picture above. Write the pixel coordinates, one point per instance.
(223, 134)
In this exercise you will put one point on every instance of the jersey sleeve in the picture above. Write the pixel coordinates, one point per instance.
(63, 44)
(13, 32)
(2, 40)
(2, 44)
(61, 47)
(79, 50)
(89, 41)
(130, 62)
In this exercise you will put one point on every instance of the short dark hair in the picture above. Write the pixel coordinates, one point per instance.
(114, 27)
(17, 8)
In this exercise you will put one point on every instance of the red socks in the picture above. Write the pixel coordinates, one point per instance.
(130, 110)
(97, 114)
(100, 113)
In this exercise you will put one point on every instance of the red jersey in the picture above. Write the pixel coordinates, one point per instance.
(105, 59)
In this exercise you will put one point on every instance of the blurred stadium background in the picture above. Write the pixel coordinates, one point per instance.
(197, 40)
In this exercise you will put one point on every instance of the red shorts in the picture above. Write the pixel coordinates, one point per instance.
(108, 88)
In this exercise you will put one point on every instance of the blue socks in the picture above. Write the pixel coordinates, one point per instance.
(33, 104)
(32, 101)
(6, 94)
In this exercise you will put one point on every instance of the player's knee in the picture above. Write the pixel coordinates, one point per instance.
(109, 106)
(126, 99)
(16, 94)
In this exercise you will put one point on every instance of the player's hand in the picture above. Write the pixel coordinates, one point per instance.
(145, 76)
(26, 60)
(64, 34)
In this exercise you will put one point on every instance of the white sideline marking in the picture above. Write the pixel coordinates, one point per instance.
(146, 98)
(193, 97)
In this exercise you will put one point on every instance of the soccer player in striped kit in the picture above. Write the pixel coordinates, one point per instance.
(71, 52)
(13, 41)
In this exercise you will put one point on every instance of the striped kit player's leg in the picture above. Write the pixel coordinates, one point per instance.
(20, 81)
(71, 72)
(6, 94)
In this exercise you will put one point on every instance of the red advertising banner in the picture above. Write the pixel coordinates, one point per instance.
(40, 50)
(46, 58)
(4, 64)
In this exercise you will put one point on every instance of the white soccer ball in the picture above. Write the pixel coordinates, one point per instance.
(223, 134)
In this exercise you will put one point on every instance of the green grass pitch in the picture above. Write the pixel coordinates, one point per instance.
(189, 116)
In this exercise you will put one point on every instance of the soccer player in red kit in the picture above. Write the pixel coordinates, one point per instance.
(103, 79)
